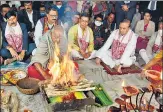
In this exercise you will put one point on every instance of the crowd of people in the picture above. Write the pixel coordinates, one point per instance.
(118, 33)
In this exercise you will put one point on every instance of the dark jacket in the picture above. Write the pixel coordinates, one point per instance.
(23, 18)
(131, 5)
(1, 20)
(25, 35)
(107, 30)
(143, 5)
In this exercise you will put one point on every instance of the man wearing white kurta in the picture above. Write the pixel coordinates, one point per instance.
(123, 44)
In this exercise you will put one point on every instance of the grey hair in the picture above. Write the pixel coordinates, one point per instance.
(58, 28)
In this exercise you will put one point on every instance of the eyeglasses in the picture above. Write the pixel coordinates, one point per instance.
(54, 16)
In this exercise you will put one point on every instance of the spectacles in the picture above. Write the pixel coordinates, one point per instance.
(54, 16)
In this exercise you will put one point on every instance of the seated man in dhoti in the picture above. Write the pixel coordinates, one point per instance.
(123, 44)
(154, 45)
(38, 68)
(81, 38)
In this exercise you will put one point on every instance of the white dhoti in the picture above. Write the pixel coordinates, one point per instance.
(76, 54)
(146, 56)
(106, 57)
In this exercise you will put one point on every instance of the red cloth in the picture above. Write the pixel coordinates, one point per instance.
(145, 27)
(73, 5)
(157, 67)
(32, 72)
(141, 43)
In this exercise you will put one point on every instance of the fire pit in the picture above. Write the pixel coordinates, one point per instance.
(66, 89)
(60, 100)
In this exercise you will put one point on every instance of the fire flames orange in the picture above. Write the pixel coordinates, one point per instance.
(63, 71)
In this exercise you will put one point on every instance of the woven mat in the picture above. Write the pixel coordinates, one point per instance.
(125, 70)
(15, 65)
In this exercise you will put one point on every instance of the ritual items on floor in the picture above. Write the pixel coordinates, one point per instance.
(14, 75)
(102, 97)
(10, 77)
(142, 105)
(9, 101)
(125, 70)
(60, 98)
(28, 86)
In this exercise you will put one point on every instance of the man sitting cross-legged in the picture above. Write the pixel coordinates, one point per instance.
(80, 36)
(38, 68)
(123, 44)
(15, 44)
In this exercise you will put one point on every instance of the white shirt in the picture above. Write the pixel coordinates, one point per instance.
(30, 16)
(126, 2)
(129, 50)
(5, 20)
(149, 5)
(38, 32)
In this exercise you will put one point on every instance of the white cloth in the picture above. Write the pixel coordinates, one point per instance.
(144, 55)
(79, 6)
(126, 2)
(158, 40)
(148, 53)
(38, 32)
(83, 38)
(13, 29)
(76, 54)
(149, 5)
(30, 16)
(107, 59)
(105, 54)
(13, 35)
(119, 43)
(5, 20)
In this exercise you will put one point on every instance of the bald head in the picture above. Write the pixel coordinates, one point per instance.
(124, 27)
(57, 33)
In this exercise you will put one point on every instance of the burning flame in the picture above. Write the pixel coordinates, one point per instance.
(144, 101)
(62, 71)
(123, 84)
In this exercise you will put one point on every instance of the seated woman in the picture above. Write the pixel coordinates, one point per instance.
(144, 28)
(154, 64)
(98, 31)
(15, 44)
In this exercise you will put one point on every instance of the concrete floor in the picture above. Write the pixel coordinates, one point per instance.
(112, 85)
